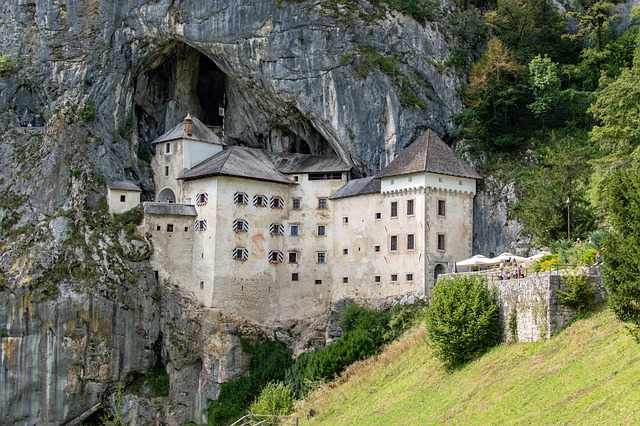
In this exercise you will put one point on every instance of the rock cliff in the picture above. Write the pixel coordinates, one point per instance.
(94, 83)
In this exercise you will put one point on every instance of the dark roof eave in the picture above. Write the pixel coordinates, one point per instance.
(235, 176)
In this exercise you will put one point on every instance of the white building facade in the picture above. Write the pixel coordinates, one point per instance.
(281, 237)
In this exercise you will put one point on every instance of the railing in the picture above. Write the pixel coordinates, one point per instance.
(265, 419)
(493, 273)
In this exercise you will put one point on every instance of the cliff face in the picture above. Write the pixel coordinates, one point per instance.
(94, 83)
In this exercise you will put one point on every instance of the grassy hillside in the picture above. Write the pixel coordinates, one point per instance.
(588, 374)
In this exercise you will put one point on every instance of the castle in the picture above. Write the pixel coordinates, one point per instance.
(275, 237)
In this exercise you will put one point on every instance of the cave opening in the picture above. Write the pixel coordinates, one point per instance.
(210, 92)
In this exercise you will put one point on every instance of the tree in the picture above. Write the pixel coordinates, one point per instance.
(562, 171)
(594, 24)
(275, 399)
(462, 320)
(544, 80)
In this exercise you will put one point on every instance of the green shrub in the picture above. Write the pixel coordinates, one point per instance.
(462, 320)
(88, 112)
(579, 294)
(7, 64)
(275, 399)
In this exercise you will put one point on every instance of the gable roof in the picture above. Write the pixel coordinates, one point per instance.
(123, 185)
(368, 185)
(170, 209)
(238, 161)
(200, 132)
(307, 163)
(428, 153)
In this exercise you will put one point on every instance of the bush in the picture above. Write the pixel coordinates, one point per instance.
(7, 64)
(88, 113)
(275, 399)
(462, 320)
(579, 294)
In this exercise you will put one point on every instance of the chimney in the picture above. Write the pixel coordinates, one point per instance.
(188, 125)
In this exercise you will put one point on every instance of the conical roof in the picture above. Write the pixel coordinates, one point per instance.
(428, 153)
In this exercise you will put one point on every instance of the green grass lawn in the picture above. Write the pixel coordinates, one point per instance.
(588, 374)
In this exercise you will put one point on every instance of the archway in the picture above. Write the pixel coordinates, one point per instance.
(166, 196)
(438, 270)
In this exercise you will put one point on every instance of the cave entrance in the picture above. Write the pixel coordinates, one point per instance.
(210, 91)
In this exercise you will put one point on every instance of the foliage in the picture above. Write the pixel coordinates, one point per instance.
(275, 399)
(420, 10)
(578, 294)
(129, 219)
(155, 382)
(116, 416)
(269, 361)
(462, 320)
(594, 24)
(7, 64)
(562, 172)
(88, 112)
(403, 318)
(544, 78)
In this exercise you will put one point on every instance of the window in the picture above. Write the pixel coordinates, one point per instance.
(345, 219)
(295, 230)
(201, 285)
(240, 254)
(378, 215)
(318, 281)
(123, 198)
(277, 203)
(441, 242)
(411, 242)
(166, 170)
(240, 225)
(276, 257)
(394, 278)
(345, 251)
(322, 230)
(167, 148)
(376, 248)
(345, 280)
(240, 198)
(296, 178)
(293, 257)
(376, 279)
(296, 204)
(442, 208)
(170, 227)
(294, 276)
(410, 208)
(158, 227)
(409, 277)
(202, 199)
(186, 229)
(394, 209)
(394, 243)
(200, 225)
(276, 229)
(322, 203)
(260, 201)
(322, 257)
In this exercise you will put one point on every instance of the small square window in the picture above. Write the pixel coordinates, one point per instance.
(378, 215)
(296, 204)
(345, 219)
(345, 251)
(394, 243)
(409, 277)
(441, 242)
(442, 208)
(345, 280)
(186, 229)
(459, 182)
(322, 230)
(318, 281)
(240, 198)
(394, 209)
(376, 248)
(322, 257)
(322, 203)
(123, 198)
(296, 178)
(260, 201)
(166, 170)
(295, 230)
(293, 257)
(295, 277)
(394, 277)
(376, 279)
(158, 227)
(170, 227)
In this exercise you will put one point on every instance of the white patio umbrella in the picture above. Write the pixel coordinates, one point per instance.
(477, 260)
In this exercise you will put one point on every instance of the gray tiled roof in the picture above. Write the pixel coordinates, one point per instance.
(238, 161)
(307, 163)
(200, 132)
(170, 209)
(429, 153)
(123, 185)
(368, 185)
